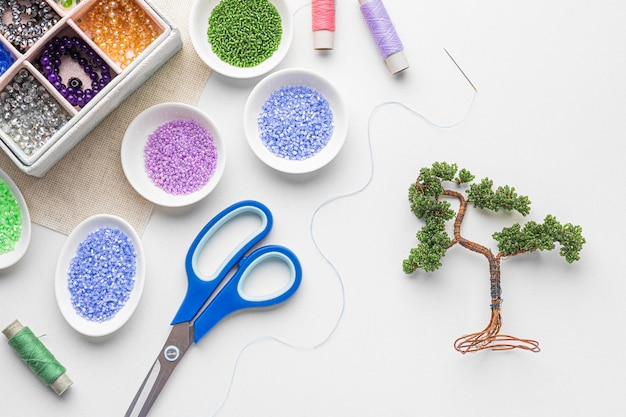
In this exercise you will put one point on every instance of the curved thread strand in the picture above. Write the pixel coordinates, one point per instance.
(336, 272)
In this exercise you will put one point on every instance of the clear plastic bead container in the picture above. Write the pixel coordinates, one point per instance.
(71, 67)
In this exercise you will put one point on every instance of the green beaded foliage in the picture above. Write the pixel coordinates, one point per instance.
(535, 236)
(504, 198)
(425, 204)
(244, 33)
(424, 197)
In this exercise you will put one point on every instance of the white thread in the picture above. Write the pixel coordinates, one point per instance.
(317, 247)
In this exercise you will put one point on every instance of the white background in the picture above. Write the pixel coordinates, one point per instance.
(549, 119)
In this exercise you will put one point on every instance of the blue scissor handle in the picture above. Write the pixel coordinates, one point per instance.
(232, 297)
(200, 287)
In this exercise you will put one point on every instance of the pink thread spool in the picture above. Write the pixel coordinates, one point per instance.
(384, 34)
(323, 23)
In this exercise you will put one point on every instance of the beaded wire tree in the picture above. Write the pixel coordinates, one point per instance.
(425, 196)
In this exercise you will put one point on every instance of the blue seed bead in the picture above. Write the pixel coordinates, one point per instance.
(101, 276)
(296, 122)
(6, 59)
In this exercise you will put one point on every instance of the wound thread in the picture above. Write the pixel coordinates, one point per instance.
(323, 15)
(37, 357)
(323, 23)
(384, 34)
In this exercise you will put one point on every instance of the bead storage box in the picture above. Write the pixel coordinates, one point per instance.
(65, 65)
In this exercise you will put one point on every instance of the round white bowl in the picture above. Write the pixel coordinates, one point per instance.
(134, 143)
(199, 25)
(295, 77)
(10, 258)
(69, 251)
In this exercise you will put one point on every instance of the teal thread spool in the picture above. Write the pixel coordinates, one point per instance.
(38, 358)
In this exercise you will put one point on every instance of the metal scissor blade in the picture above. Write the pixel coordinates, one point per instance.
(175, 347)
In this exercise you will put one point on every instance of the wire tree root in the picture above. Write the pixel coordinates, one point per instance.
(491, 338)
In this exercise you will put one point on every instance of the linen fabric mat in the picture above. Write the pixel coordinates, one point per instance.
(89, 180)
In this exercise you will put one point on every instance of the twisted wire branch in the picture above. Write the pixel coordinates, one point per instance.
(490, 337)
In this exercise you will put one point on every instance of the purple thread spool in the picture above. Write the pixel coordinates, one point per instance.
(385, 36)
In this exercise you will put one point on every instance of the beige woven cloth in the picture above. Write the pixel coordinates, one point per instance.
(89, 179)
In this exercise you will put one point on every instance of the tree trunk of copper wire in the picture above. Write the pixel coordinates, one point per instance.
(490, 337)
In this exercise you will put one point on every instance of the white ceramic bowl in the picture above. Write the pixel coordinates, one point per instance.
(134, 142)
(199, 25)
(10, 258)
(69, 251)
(295, 77)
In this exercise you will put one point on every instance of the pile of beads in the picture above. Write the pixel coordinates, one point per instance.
(94, 67)
(6, 59)
(30, 20)
(101, 276)
(121, 28)
(10, 219)
(30, 115)
(296, 122)
(180, 156)
(244, 33)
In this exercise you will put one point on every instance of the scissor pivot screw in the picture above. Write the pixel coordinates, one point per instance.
(171, 353)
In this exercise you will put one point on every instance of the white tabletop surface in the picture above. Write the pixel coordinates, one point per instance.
(549, 119)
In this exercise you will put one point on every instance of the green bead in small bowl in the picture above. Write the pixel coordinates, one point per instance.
(15, 226)
(219, 28)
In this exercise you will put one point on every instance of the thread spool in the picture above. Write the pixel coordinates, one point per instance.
(38, 358)
(385, 36)
(323, 23)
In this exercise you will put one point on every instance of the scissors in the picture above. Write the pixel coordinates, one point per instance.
(196, 317)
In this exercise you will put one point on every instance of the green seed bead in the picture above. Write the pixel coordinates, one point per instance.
(244, 33)
(10, 219)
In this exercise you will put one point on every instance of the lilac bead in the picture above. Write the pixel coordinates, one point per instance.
(180, 157)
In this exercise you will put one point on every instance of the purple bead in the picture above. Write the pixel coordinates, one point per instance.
(91, 63)
(180, 157)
